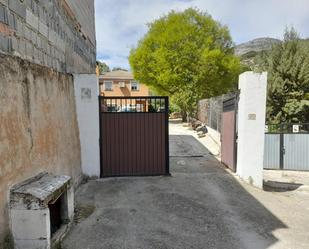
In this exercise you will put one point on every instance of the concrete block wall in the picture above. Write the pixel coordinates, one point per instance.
(50, 33)
(85, 16)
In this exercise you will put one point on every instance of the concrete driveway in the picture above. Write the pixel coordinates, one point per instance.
(200, 206)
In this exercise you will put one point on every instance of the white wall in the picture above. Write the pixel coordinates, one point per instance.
(87, 108)
(251, 124)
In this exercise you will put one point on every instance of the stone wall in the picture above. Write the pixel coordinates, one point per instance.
(59, 34)
(209, 111)
(202, 110)
(38, 126)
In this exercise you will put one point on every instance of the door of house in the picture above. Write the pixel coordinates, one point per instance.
(134, 136)
(228, 133)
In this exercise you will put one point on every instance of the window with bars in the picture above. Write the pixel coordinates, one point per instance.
(108, 85)
(134, 86)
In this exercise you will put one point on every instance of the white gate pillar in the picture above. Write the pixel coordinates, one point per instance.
(251, 127)
(86, 89)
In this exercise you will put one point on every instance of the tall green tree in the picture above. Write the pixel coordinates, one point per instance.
(188, 56)
(103, 67)
(287, 65)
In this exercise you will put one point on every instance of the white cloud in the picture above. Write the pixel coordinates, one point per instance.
(120, 24)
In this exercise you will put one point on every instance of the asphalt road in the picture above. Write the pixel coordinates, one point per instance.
(200, 206)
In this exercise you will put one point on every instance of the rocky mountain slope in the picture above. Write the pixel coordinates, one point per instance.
(248, 51)
(256, 45)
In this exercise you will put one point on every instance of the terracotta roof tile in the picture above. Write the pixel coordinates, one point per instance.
(117, 75)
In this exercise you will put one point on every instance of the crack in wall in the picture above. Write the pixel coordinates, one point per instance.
(27, 106)
(26, 97)
(31, 141)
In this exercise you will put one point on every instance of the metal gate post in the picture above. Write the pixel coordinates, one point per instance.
(167, 153)
(100, 138)
(281, 159)
(236, 129)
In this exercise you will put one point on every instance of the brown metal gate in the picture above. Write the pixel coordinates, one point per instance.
(228, 133)
(134, 136)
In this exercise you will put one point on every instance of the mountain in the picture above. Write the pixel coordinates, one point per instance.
(247, 51)
(255, 46)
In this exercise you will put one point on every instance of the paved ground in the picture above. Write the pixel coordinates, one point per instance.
(200, 206)
(177, 128)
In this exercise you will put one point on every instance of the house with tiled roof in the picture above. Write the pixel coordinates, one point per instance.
(121, 83)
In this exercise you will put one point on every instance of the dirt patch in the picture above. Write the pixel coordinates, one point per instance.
(58, 245)
(83, 212)
(8, 242)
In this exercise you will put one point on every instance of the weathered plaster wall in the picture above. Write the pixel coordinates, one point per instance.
(38, 126)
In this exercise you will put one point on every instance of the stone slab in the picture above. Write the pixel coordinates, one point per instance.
(42, 187)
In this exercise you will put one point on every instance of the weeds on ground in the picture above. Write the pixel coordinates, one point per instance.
(83, 212)
(8, 242)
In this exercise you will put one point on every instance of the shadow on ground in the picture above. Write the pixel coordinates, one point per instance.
(277, 186)
(200, 206)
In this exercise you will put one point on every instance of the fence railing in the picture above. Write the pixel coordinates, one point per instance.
(133, 104)
(287, 128)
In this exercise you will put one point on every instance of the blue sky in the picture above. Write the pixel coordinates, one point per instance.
(121, 23)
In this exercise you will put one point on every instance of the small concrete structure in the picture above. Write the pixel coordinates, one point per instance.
(251, 125)
(40, 208)
(86, 89)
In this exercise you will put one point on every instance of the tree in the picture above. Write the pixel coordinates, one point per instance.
(119, 69)
(188, 56)
(103, 67)
(287, 65)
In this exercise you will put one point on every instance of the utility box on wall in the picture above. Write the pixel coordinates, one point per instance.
(251, 127)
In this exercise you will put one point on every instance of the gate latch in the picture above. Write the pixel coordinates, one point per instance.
(283, 151)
